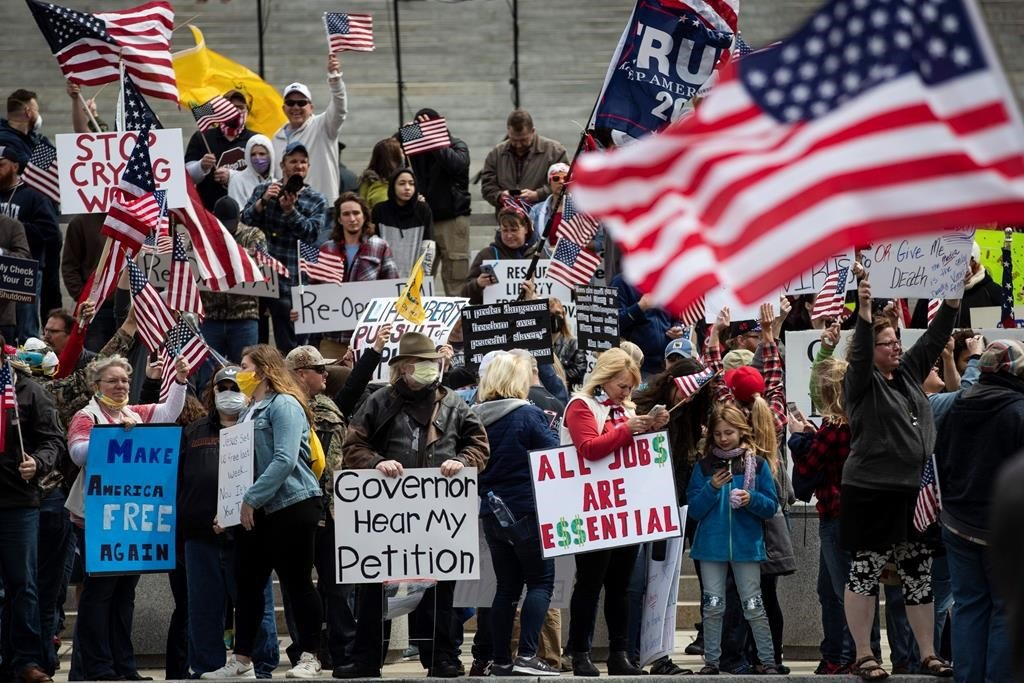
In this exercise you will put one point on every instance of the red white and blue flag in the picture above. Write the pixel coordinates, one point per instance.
(349, 31)
(154, 318)
(217, 110)
(1007, 316)
(264, 258)
(181, 341)
(576, 225)
(926, 510)
(688, 385)
(41, 170)
(8, 400)
(322, 266)
(830, 300)
(182, 290)
(572, 264)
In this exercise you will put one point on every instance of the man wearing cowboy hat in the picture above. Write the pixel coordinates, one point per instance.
(412, 422)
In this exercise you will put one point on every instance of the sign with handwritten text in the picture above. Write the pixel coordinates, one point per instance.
(928, 267)
(234, 477)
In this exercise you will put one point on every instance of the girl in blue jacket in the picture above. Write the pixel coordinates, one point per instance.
(731, 494)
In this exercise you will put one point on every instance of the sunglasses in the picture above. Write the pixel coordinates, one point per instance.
(557, 178)
(227, 386)
(319, 369)
(296, 103)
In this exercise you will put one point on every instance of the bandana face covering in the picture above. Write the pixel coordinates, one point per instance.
(108, 402)
(247, 382)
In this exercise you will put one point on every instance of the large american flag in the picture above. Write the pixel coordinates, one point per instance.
(154, 318)
(1007, 315)
(321, 265)
(136, 211)
(88, 46)
(876, 118)
(41, 170)
(264, 258)
(349, 31)
(830, 300)
(8, 400)
(688, 385)
(926, 510)
(576, 225)
(217, 110)
(181, 341)
(133, 111)
(572, 264)
(182, 290)
(424, 136)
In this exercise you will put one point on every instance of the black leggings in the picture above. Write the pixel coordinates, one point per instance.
(612, 570)
(283, 541)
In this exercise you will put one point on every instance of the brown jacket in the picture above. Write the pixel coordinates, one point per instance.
(15, 244)
(83, 245)
(499, 172)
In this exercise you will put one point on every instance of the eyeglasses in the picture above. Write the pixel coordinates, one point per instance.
(50, 330)
(227, 386)
(890, 344)
(557, 178)
(296, 103)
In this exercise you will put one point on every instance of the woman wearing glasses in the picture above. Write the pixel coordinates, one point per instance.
(513, 238)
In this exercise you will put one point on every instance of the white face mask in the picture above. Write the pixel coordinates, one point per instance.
(426, 372)
(38, 125)
(230, 402)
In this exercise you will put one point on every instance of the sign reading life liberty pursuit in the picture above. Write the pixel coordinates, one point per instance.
(419, 525)
(624, 499)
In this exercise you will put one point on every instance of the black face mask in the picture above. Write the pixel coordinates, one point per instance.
(556, 324)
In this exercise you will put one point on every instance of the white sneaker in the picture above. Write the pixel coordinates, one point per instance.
(233, 669)
(308, 667)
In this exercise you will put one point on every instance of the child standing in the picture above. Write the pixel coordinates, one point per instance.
(731, 494)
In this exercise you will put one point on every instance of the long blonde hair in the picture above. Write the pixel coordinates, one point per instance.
(608, 365)
(762, 424)
(828, 378)
(270, 366)
(735, 417)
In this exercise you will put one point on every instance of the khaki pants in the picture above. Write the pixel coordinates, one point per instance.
(452, 238)
(549, 645)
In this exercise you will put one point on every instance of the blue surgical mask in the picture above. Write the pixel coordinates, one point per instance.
(261, 164)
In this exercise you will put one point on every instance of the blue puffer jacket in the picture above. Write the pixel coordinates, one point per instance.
(724, 534)
(514, 428)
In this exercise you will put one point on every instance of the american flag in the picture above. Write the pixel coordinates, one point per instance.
(576, 225)
(182, 291)
(321, 265)
(155, 319)
(181, 341)
(572, 264)
(264, 258)
(159, 241)
(88, 47)
(830, 300)
(103, 281)
(349, 31)
(41, 170)
(692, 314)
(1007, 314)
(131, 220)
(8, 400)
(133, 112)
(926, 511)
(933, 307)
(424, 136)
(688, 385)
(876, 117)
(217, 110)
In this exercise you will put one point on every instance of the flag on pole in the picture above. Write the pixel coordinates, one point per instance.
(132, 111)
(926, 510)
(1007, 315)
(830, 300)
(159, 241)
(181, 341)
(804, 149)
(321, 265)
(182, 291)
(572, 264)
(89, 47)
(217, 110)
(8, 400)
(264, 258)
(688, 385)
(349, 31)
(424, 136)
(409, 303)
(132, 220)
(576, 225)
(41, 171)
(155, 319)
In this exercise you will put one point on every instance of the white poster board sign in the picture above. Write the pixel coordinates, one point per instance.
(159, 268)
(235, 473)
(442, 314)
(419, 525)
(624, 499)
(927, 267)
(338, 308)
(658, 621)
(90, 165)
(811, 281)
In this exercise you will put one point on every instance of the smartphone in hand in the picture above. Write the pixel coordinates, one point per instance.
(488, 270)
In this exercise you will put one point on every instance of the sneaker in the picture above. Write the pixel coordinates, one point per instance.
(308, 667)
(534, 666)
(233, 669)
(501, 670)
(480, 667)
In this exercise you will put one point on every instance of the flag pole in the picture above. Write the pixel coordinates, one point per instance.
(88, 112)
(17, 414)
(195, 330)
(298, 264)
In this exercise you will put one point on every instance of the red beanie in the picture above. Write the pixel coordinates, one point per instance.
(745, 381)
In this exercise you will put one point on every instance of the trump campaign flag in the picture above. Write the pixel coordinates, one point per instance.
(876, 118)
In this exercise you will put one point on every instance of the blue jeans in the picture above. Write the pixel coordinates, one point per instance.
(980, 635)
(942, 595)
(833, 570)
(56, 543)
(210, 567)
(748, 584)
(19, 539)
(518, 560)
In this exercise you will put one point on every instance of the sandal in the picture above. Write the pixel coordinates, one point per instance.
(936, 666)
(868, 669)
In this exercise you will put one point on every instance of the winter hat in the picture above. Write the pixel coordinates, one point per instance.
(1004, 355)
(737, 358)
(745, 382)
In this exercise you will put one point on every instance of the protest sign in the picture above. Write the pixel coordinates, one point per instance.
(991, 244)
(131, 483)
(419, 525)
(811, 281)
(158, 266)
(929, 267)
(597, 318)
(510, 273)
(235, 475)
(658, 620)
(505, 326)
(625, 499)
(18, 279)
(442, 314)
(90, 166)
(338, 308)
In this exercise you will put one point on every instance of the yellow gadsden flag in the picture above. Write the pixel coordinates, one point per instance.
(409, 303)
(202, 74)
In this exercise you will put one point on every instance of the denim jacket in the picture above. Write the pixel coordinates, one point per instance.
(281, 438)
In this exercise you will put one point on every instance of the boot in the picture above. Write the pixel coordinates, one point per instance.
(619, 665)
(582, 666)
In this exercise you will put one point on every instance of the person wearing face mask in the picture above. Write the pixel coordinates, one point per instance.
(212, 155)
(412, 422)
(260, 167)
(24, 119)
(210, 550)
(403, 220)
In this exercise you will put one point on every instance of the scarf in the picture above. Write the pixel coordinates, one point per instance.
(617, 412)
(417, 403)
(749, 463)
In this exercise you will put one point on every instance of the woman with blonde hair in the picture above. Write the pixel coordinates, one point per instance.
(599, 420)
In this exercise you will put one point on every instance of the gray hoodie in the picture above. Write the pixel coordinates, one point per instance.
(492, 411)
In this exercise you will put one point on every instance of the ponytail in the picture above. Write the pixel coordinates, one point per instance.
(762, 421)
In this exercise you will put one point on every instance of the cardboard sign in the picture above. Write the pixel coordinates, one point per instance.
(159, 268)
(338, 308)
(811, 281)
(624, 499)
(512, 271)
(597, 318)
(929, 267)
(90, 166)
(131, 486)
(419, 525)
(235, 475)
(505, 326)
(442, 314)
(718, 298)
(18, 279)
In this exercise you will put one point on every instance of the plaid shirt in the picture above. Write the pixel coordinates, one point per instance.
(284, 230)
(373, 261)
(771, 369)
(827, 454)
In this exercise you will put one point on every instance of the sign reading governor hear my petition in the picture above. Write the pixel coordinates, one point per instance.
(419, 525)
(90, 166)
(625, 498)
(131, 485)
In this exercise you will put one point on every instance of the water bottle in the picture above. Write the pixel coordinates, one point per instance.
(500, 510)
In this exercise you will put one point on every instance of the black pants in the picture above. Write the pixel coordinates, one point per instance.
(284, 542)
(176, 657)
(431, 626)
(103, 632)
(610, 569)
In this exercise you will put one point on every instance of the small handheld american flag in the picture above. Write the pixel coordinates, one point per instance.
(424, 136)
(263, 257)
(41, 171)
(829, 302)
(576, 225)
(321, 265)
(181, 341)
(182, 290)
(572, 264)
(689, 385)
(926, 511)
(349, 31)
(7, 400)
(217, 110)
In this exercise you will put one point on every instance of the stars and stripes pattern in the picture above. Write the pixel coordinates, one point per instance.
(894, 112)
(264, 258)
(692, 314)
(688, 385)
(933, 307)
(926, 510)
(1007, 316)
(159, 241)
(8, 400)
(217, 110)
(103, 281)
(155, 319)
(131, 220)
(576, 225)
(572, 264)
(41, 171)
(721, 15)
(133, 111)
(424, 136)
(181, 341)
(349, 32)
(830, 300)
(182, 290)
(321, 265)
(89, 47)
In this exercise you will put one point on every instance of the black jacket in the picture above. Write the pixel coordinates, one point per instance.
(230, 153)
(442, 177)
(198, 467)
(43, 438)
